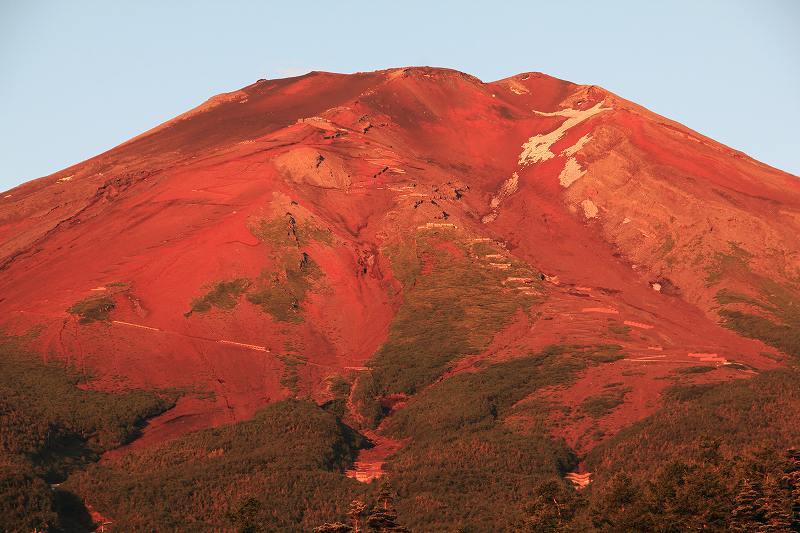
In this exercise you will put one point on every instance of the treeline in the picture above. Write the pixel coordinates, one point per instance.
(477, 452)
(49, 428)
(720, 457)
(714, 458)
(281, 471)
(478, 456)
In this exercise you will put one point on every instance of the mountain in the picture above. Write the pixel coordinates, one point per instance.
(506, 283)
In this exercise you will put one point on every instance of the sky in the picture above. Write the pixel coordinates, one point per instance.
(79, 77)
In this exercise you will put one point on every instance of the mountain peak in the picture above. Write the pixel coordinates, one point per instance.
(380, 242)
(414, 257)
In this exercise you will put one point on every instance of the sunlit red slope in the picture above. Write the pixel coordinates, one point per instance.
(631, 217)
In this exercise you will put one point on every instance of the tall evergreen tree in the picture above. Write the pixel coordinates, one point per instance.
(246, 517)
(747, 513)
(383, 518)
(791, 480)
(355, 513)
(551, 508)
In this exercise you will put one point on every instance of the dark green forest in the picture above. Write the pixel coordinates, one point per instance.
(50, 428)
(713, 458)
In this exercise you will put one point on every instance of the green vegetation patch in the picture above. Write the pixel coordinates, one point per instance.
(280, 471)
(602, 404)
(281, 294)
(405, 260)
(280, 291)
(714, 458)
(339, 389)
(601, 353)
(338, 386)
(290, 377)
(668, 245)
(222, 295)
(452, 307)
(478, 399)
(286, 231)
(42, 405)
(775, 316)
(93, 309)
(785, 337)
(742, 413)
(698, 369)
(465, 466)
(619, 329)
(730, 264)
(727, 296)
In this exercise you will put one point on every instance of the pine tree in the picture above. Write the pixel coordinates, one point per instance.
(747, 513)
(620, 506)
(356, 511)
(247, 517)
(791, 481)
(383, 518)
(550, 509)
(776, 507)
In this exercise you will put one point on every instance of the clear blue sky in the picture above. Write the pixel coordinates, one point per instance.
(79, 77)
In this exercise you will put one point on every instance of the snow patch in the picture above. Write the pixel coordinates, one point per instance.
(578, 146)
(517, 88)
(572, 170)
(571, 173)
(589, 209)
(508, 188)
(537, 148)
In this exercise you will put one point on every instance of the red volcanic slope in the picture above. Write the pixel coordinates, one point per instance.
(605, 197)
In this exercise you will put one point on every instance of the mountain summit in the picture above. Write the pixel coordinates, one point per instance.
(400, 244)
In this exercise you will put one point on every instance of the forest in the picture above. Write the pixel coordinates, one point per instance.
(714, 457)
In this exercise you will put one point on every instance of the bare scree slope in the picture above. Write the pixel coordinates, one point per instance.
(373, 238)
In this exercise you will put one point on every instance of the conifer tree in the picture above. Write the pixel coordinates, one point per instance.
(383, 518)
(247, 517)
(791, 481)
(747, 512)
(356, 511)
(551, 508)
(776, 508)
